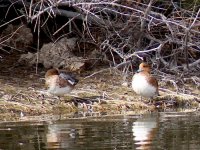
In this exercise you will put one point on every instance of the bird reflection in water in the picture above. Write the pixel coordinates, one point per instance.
(61, 136)
(144, 130)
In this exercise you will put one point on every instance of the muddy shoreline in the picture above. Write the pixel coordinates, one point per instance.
(23, 94)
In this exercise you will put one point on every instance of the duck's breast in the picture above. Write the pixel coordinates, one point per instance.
(142, 87)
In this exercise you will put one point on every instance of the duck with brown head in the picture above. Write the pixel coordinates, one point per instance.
(143, 83)
(59, 82)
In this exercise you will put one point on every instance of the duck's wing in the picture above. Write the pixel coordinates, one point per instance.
(153, 81)
(68, 78)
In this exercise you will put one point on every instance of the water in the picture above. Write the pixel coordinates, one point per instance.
(156, 131)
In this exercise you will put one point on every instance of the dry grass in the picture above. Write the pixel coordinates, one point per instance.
(23, 94)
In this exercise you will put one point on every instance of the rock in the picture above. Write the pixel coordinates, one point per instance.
(57, 55)
(17, 36)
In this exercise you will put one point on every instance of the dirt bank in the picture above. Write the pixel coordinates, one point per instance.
(22, 93)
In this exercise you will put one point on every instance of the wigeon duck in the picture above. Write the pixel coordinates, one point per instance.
(59, 82)
(143, 83)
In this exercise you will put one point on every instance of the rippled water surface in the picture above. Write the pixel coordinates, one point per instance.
(163, 130)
